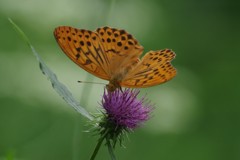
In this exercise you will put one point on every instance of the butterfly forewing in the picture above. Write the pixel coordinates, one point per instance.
(84, 48)
(121, 48)
(154, 68)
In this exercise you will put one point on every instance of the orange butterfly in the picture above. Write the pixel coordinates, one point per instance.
(113, 55)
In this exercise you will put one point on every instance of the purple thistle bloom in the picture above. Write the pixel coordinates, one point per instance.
(124, 109)
(123, 113)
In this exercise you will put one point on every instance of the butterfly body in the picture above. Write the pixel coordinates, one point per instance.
(113, 55)
(113, 85)
(117, 77)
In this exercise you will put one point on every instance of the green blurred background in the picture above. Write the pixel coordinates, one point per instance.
(197, 113)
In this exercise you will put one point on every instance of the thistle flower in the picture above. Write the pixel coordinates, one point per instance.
(124, 109)
(122, 112)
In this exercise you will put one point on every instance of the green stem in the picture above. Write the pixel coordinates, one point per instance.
(110, 150)
(97, 147)
(76, 139)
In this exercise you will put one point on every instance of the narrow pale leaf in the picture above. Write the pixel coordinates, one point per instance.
(60, 88)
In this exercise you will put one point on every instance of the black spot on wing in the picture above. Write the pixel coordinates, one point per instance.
(77, 56)
(88, 61)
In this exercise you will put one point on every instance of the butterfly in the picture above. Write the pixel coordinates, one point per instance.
(114, 55)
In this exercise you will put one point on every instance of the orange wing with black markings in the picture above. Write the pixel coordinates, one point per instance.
(84, 48)
(153, 69)
(113, 54)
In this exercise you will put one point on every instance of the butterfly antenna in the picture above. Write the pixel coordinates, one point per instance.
(91, 82)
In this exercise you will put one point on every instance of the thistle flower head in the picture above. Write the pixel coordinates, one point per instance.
(123, 112)
(124, 109)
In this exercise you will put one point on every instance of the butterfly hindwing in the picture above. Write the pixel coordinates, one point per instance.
(153, 69)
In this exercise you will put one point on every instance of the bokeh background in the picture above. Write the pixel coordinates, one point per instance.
(197, 113)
